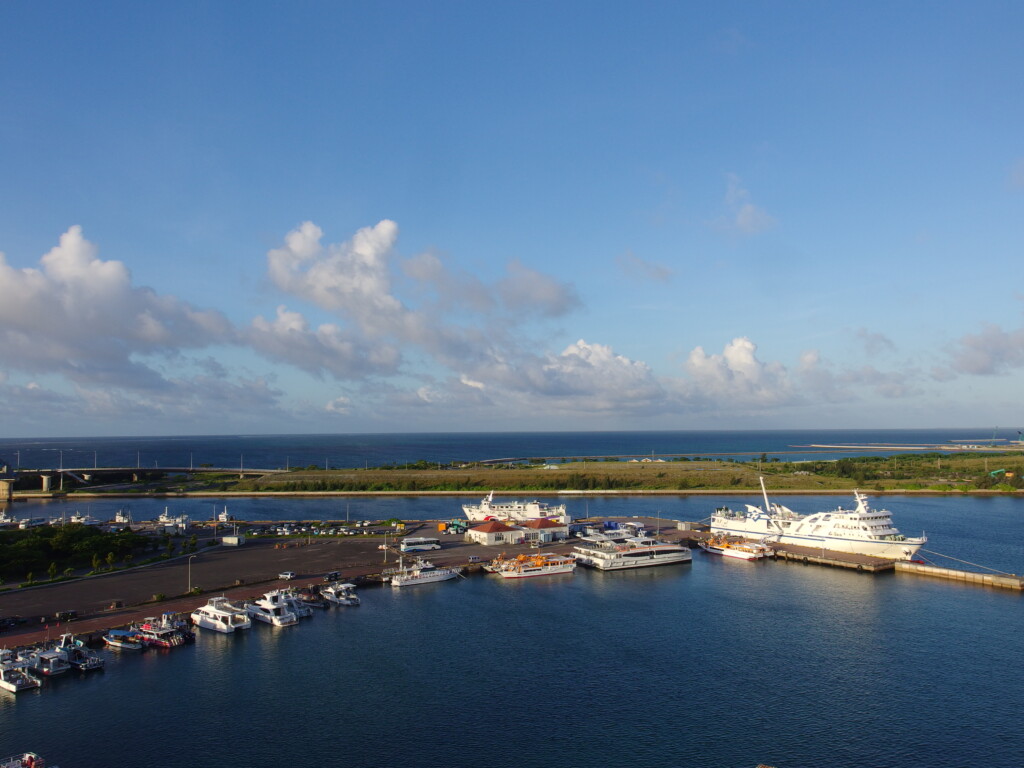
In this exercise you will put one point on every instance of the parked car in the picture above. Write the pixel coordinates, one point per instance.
(286, 575)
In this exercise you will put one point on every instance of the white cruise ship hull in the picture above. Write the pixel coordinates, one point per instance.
(632, 560)
(891, 550)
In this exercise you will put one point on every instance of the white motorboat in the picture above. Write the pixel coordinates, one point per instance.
(527, 566)
(612, 552)
(340, 594)
(740, 550)
(78, 655)
(272, 609)
(296, 604)
(14, 675)
(23, 760)
(221, 615)
(44, 661)
(123, 639)
(420, 572)
(514, 511)
(862, 530)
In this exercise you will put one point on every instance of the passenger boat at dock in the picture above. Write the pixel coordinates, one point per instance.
(527, 566)
(514, 511)
(24, 760)
(740, 550)
(862, 530)
(14, 675)
(420, 572)
(221, 615)
(158, 633)
(614, 551)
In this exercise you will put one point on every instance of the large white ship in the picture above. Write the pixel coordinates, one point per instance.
(515, 511)
(862, 531)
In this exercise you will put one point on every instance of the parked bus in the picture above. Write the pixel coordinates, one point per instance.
(413, 544)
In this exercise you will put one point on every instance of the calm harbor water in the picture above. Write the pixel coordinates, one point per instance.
(717, 663)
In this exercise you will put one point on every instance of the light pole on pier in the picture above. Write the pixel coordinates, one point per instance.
(190, 557)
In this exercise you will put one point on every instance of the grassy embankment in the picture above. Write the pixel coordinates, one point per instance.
(908, 472)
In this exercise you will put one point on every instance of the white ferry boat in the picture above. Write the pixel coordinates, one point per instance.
(609, 552)
(862, 531)
(272, 609)
(221, 615)
(740, 550)
(420, 572)
(526, 566)
(45, 662)
(515, 511)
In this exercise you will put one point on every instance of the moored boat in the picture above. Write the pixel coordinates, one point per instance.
(155, 633)
(617, 552)
(23, 760)
(738, 549)
(221, 615)
(44, 661)
(271, 609)
(420, 572)
(340, 594)
(514, 511)
(862, 530)
(527, 566)
(14, 675)
(122, 639)
(78, 655)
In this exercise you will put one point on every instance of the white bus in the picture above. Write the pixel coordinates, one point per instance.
(412, 544)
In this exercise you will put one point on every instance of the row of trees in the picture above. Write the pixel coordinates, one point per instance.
(61, 550)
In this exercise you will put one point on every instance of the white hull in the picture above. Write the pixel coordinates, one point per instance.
(540, 570)
(859, 531)
(755, 551)
(631, 553)
(514, 511)
(411, 579)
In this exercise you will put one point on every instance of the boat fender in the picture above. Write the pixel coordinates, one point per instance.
(805, 560)
(860, 567)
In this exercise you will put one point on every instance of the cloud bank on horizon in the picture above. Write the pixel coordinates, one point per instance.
(90, 345)
(517, 218)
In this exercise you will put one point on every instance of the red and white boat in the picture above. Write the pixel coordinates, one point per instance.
(741, 550)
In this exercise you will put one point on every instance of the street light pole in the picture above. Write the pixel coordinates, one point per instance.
(190, 573)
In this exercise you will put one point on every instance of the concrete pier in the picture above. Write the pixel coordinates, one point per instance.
(967, 577)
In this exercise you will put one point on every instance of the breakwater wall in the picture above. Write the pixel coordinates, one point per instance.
(968, 577)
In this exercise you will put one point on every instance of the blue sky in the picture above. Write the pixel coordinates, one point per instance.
(399, 216)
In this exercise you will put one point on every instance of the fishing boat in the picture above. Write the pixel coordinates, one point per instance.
(340, 594)
(157, 634)
(613, 552)
(271, 609)
(739, 549)
(420, 572)
(14, 675)
(527, 566)
(122, 639)
(514, 511)
(862, 530)
(220, 615)
(78, 655)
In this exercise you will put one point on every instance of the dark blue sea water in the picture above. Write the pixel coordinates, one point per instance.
(280, 451)
(719, 663)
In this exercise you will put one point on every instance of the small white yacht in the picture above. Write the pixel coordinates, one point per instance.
(14, 676)
(78, 655)
(221, 615)
(340, 594)
(420, 572)
(272, 609)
